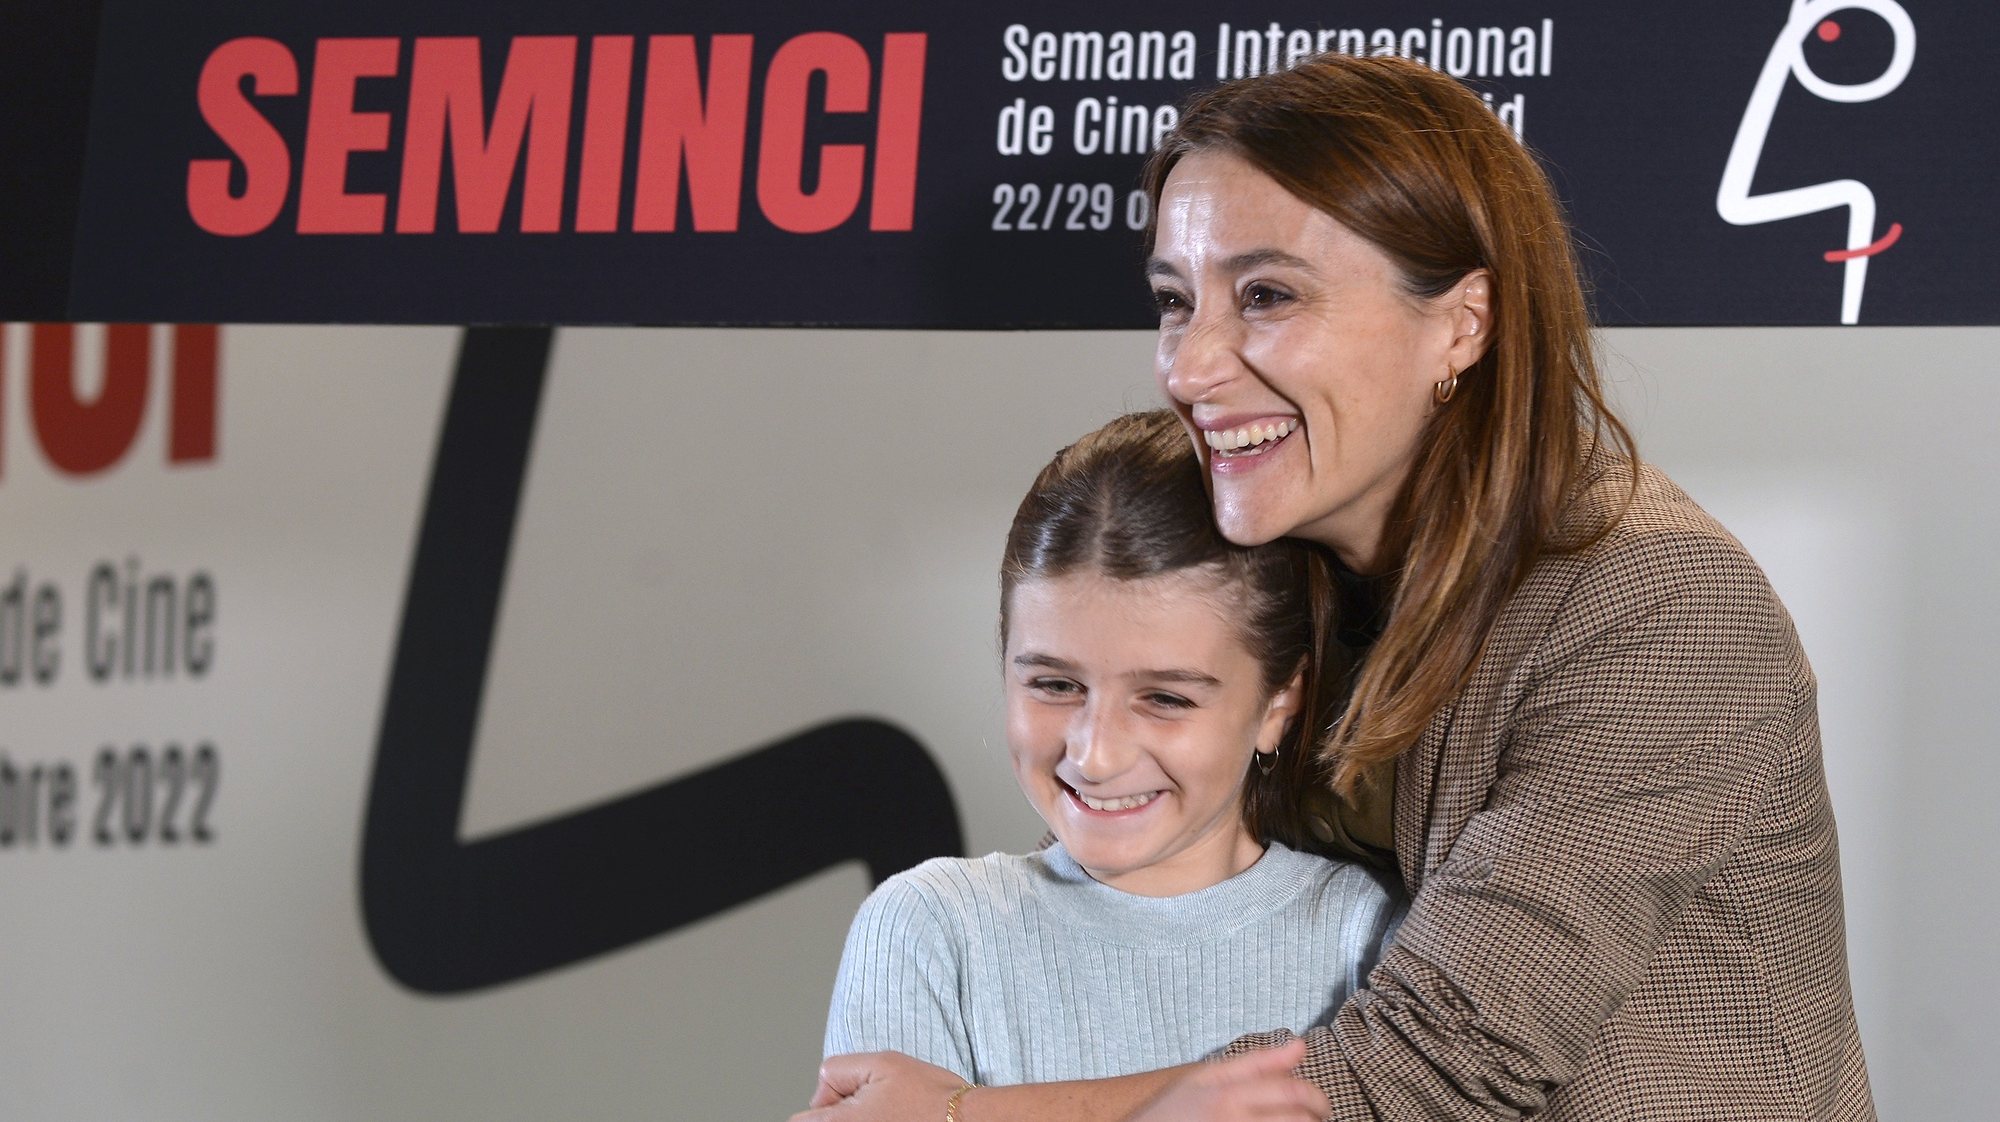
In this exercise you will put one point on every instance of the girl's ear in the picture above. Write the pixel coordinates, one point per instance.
(1279, 712)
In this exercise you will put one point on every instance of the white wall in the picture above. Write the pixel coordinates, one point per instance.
(728, 535)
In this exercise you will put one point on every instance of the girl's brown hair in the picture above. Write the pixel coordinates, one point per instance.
(1416, 163)
(1127, 502)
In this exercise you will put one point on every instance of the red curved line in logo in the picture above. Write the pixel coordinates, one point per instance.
(1887, 240)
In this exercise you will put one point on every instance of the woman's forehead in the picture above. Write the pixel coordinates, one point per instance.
(1218, 212)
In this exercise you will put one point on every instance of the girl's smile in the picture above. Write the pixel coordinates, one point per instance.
(1133, 708)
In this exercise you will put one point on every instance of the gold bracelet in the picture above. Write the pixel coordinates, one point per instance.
(951, 1104)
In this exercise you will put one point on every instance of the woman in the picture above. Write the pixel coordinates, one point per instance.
(1586, 732)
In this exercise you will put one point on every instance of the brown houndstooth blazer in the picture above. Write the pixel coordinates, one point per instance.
(1626, 888)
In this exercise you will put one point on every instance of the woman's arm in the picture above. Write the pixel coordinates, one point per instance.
(1624, 763)
(1663, 705)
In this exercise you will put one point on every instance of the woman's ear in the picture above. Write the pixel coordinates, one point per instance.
(1469, 305)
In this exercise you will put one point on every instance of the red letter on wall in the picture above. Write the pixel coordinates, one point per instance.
(267, 164)
(82, 437)
(675, 119)
(601, 173)
(781, 153)
(898, 123)
(533, 107)
(334, 129)
(191, 425)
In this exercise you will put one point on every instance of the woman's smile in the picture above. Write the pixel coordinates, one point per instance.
(1293, 349)
(1238, 448)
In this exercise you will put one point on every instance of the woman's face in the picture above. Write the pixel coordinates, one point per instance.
(1296, 357)
(1132, 710)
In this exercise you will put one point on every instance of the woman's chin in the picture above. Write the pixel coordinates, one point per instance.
(1242, 524)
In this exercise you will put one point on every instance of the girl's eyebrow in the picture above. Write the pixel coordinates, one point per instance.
(1177, 674)
(1169, 674)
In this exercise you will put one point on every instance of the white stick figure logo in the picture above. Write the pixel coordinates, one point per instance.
(1738, 206)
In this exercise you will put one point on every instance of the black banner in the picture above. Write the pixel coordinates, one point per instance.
(924, 165)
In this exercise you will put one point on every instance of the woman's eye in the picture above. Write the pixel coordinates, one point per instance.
(1055, 687)
(1168, 302)
(1263, 296)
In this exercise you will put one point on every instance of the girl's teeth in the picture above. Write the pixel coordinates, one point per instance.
(1127, 803)
(1249, 436)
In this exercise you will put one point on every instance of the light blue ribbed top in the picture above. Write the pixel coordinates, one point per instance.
(1021, 968)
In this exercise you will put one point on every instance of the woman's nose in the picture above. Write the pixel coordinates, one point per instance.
(1200, 361)
(1098, 747)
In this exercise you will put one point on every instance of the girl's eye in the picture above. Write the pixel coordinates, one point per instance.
(1055, 687)
(1169, 701)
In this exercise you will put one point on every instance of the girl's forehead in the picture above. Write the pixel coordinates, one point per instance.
(1202, 584)
(1186, 608)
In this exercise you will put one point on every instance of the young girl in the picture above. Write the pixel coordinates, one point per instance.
(1155, 681)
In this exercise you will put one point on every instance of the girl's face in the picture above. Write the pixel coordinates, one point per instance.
(1300, 364)
(1132, 710)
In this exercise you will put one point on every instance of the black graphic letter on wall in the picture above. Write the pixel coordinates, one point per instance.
(446, 916)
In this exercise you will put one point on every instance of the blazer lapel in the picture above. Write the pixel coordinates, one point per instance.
(1416, 786)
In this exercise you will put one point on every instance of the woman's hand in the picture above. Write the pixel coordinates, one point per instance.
(1257, 1085)
(883, 1086)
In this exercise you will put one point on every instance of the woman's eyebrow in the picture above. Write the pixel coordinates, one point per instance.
(1243, 262)
(1239, 263)
(1045, 661)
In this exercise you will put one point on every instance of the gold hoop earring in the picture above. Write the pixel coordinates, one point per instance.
(1267, 762)
(1443, 390)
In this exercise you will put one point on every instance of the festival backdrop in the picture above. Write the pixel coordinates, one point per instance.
(503, 722)
(918, 165)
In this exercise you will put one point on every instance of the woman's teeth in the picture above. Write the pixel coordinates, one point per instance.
(1126, 803)
(1249, 436)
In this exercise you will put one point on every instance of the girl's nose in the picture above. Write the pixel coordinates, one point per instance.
(1099, 747)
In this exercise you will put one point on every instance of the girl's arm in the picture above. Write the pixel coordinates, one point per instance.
(892, 1087)
(887, 1087)
(899, 984)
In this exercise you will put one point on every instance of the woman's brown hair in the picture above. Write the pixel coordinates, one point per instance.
(1128, 502)
(1415, 162)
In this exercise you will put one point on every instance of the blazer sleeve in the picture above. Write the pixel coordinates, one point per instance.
(899, 984)
(1648, 731)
